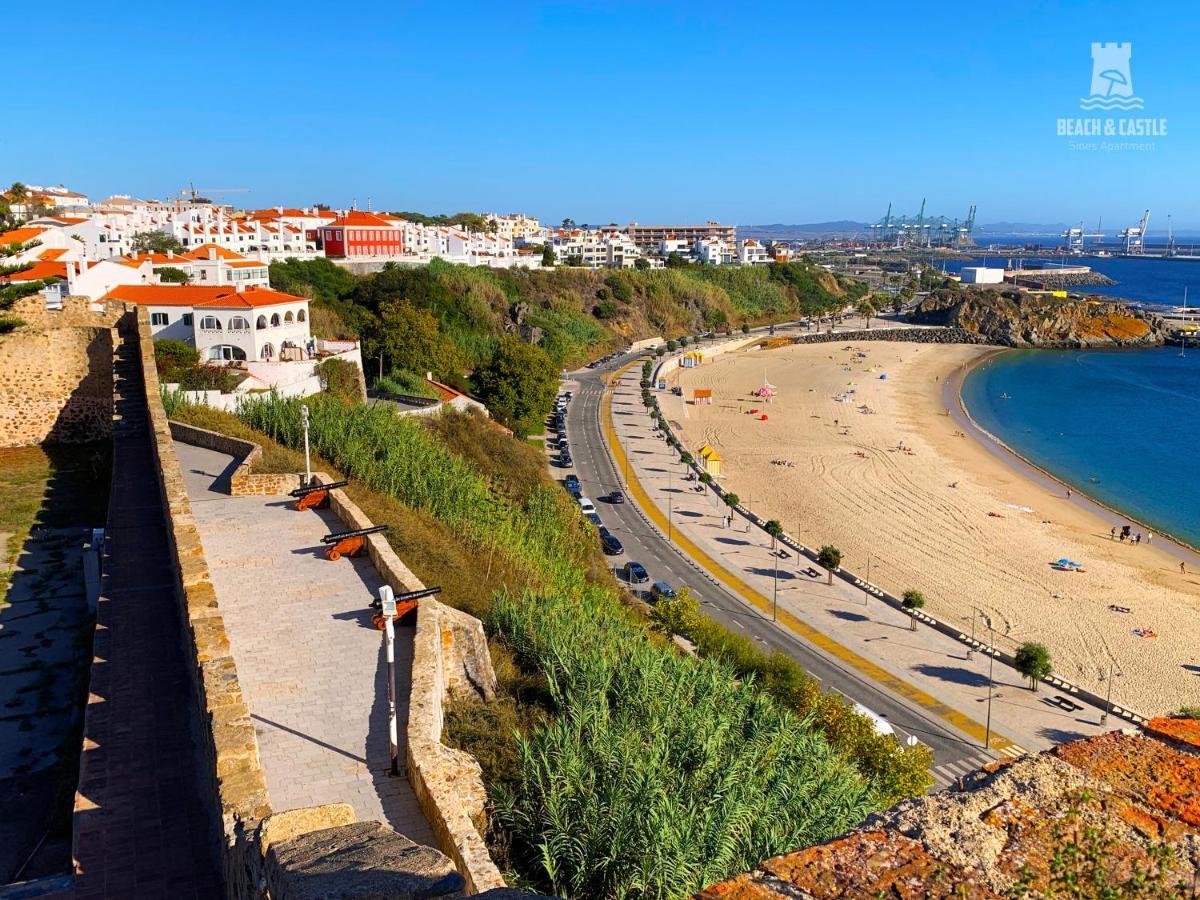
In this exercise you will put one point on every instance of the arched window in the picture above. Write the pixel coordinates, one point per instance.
(301, 316)
(274, 320)
(261, 323)
(268, 351)
(237, 323)
(210, 323)
(287, 316)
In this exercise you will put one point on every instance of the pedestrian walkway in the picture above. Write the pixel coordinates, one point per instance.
(141, 827)
(310, 663)
(927, 667)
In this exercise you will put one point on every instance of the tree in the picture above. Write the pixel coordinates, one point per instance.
(155, 242)
(676, 261)
(518, 384)
(672, 346)
(1033, 661)
(575, 260)
(705, 478)
(675, 615)
(686, 458)
(829, 558)
(641, 264)
(732, 499)
(172, 356)
(774, 529)
(866, 308)
(171, 275)
(745, 328)
(548, 257)
(913, 600)
(568, 224)
(412, 339)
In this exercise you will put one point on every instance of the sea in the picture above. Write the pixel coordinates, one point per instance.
(1118, 425)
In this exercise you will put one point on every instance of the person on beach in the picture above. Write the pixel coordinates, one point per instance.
(1182, 569)
(1138, 539)
(1068, 493)
(1149, 537)
(1112, 535)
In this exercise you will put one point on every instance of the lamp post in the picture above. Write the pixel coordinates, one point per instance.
(971, 646)
(1108, 693)
(867, 583)
(775, 583)
(307, 463)
(987, 737)
(387, 601)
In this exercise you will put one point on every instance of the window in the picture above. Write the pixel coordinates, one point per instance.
(301, 316)
(261, 323)
(287, 317)
(210, 323)
(187, 319)
(226, 352)
(275, 320)
(158, 319)
(237, 323)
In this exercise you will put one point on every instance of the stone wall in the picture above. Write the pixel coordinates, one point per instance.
(56, 385)
(243, 482)
(450, 659)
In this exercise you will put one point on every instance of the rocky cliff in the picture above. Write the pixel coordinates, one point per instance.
(1017, 319)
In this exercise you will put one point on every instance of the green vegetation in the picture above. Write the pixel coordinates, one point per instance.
(10, 294)
(404, 382)
(829, 558)
(171, 275)
(178, 363)
(518, 385)
(1186, 712)
(155, 242)
(340, 378)
(1033, 661)
(913, 600)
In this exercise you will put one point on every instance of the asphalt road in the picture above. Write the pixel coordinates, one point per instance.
(954, 753)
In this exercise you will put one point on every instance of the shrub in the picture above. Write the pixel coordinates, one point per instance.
(1033, 661)
(171, 275)
(341, 379)
(172, 355)
(706, 478)
(731, 499)
(1187, 712)
(402, 381)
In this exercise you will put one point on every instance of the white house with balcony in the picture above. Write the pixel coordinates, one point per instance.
(225, 324)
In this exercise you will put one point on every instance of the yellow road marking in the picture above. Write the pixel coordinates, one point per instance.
(875, 672)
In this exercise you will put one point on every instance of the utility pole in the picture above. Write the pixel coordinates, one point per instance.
(1108, 693)
(388, 602)
(867, 583)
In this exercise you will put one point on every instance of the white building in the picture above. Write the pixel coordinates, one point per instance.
(225, 324)
(982, 275)
(753, 253)
(714, 251)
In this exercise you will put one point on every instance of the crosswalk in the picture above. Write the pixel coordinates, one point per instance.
(947, 773)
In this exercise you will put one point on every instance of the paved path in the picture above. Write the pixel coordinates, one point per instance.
(141, 827)
(310, 663)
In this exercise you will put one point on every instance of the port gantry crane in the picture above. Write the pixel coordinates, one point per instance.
(923, 231)
(1135, 236)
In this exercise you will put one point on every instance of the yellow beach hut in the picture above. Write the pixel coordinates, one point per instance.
(712, 460)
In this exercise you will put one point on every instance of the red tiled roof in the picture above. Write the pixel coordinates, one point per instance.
(359, 219)
(38, 271)
(20, 235)
(220, 297)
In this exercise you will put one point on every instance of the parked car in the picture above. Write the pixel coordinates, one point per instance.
(616, 497)
(660, 590)
(609, 543)
(565, 461)
(585, 505)
(594, 518)
(571, 482)
(635, 573)
(677, 391)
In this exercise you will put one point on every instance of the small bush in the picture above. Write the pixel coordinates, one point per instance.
(341, 379)
(406, 383)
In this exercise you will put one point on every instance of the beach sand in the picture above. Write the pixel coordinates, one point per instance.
(924, 513)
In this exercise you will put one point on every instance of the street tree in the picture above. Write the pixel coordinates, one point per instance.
(829, 558)
(913, 600)
(1033, 661)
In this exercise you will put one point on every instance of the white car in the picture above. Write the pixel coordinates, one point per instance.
(586, 506)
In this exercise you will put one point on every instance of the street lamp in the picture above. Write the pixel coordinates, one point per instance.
(867, 583)
(987, 737)
(307, 464)
(387, 601)
(1112, 664)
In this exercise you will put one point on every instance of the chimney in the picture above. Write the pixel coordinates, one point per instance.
(170, 254)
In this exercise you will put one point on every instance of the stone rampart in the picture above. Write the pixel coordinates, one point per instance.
(244, 481)
(56, 385)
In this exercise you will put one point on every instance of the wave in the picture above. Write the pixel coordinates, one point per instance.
(1097, 102)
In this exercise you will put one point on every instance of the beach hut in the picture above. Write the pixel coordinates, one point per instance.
(711, 460)
(701, 395)
(691, 360)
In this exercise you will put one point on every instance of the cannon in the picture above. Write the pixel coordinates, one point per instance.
(315, 495)
(405, 603)
(348, 543)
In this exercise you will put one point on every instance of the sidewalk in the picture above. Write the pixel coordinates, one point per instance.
(926, 667)
(309, 660)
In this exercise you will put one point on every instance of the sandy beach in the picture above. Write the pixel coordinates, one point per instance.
(876, 466)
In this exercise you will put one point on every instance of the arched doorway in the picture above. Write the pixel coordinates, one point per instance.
(268, 352)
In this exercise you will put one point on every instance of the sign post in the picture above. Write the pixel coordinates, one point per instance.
(387, 601)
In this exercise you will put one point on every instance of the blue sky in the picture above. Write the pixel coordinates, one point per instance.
(609, 111)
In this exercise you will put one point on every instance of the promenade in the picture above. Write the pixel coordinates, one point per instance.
(926, 667)
(309, 660)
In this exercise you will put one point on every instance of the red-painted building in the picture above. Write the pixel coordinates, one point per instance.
(360, 234)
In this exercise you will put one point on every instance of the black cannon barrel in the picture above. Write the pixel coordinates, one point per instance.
(342, 535)
(300, 492)
(417, 595)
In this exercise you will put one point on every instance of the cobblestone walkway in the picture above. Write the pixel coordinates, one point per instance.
(309, 661)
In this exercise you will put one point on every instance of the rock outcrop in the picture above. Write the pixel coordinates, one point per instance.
(1012, 318)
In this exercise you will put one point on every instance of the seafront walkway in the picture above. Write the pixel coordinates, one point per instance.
(309, 660)
(926, 667)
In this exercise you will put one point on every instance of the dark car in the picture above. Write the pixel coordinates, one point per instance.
(565, 461)
(571, 483)
(616, 497)
(635, 573)
(660, 590)
(609, 542)
(594, 518)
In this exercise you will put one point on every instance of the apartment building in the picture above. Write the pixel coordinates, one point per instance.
(364, 235)
(648, 237)
(753, 253)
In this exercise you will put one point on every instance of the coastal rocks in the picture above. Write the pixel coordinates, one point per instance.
(1052, 280)
(1016, 319)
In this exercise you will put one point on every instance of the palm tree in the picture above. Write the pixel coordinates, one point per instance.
(829, 558)
(913, 600)
(866, 308)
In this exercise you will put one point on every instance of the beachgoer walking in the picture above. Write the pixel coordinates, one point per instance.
(1138, 539)
(1068, 493)
(1112, 535)
(1149, 537)
(1182, 569)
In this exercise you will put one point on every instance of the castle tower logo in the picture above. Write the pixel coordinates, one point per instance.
(1112, 80)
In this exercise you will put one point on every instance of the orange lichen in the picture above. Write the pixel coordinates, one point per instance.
(1184, 731)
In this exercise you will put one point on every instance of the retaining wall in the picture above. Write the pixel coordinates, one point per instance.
(243, 482)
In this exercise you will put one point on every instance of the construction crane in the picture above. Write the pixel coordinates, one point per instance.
(1135, 236)
(201, 195)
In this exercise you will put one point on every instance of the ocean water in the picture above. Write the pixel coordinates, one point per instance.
(1150, 281)
(1121, 426)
